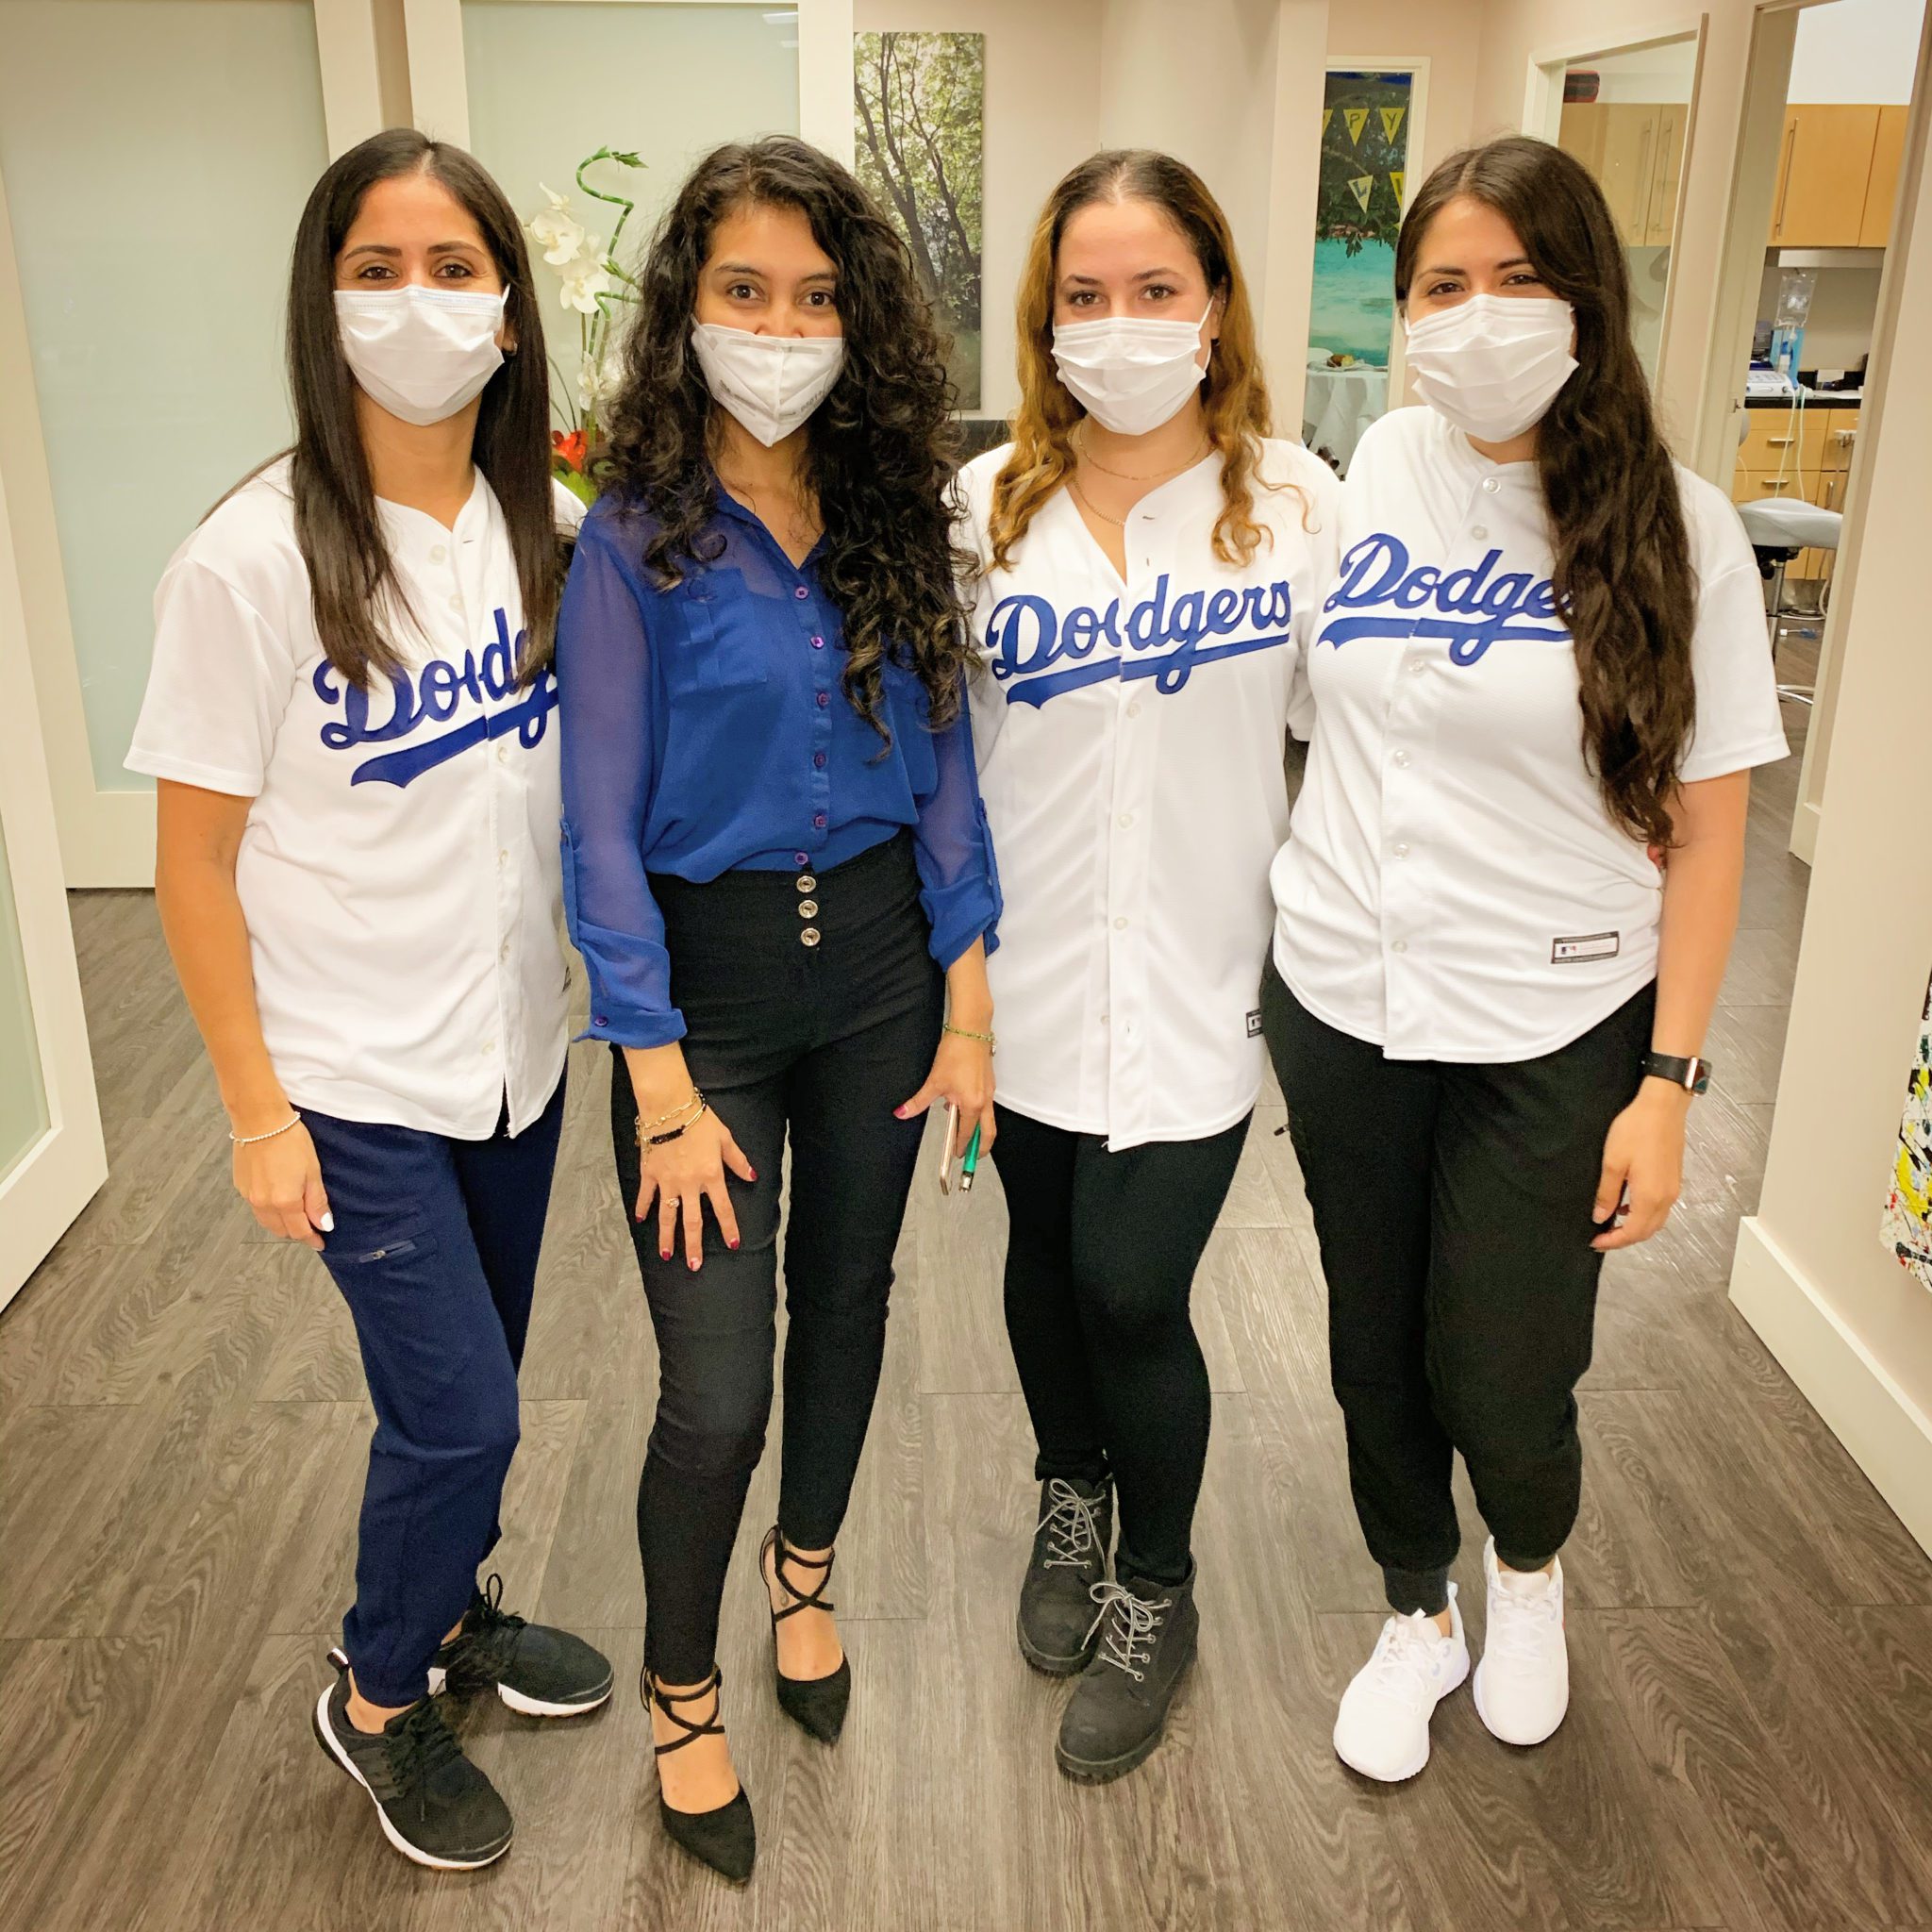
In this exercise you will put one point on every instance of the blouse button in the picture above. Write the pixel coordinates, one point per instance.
(809, 937)
(818, 818)
(801, 593)
(1401, 757)
(1490, 483)
(599, 1020)
(825, 699)
(806, 883)
(807, 908)
(801, 858)
(816, 643)
(818, 758)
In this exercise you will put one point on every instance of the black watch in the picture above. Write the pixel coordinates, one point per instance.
(1693, 1075)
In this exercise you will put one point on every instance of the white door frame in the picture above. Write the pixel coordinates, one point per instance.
(440, 90)
(57, 1176)
(107, 838)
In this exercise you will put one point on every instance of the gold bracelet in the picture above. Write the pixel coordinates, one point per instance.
(686, 1114)
(671, 1113)
(677, 1133)
(986, 1039)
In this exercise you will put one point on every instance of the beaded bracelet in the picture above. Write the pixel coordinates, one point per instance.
(646, 1142)
(985, 1040)
(696, 1098)
(274, 1134)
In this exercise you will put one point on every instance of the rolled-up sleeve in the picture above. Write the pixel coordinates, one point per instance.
(609, 771)
(959, 883)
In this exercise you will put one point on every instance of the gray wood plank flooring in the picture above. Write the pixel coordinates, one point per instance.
(182, 1428)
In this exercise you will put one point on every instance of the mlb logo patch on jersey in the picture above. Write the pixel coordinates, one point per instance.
(1590, 945)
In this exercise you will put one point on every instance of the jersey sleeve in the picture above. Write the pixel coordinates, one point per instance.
(609, 773)
(1737, 721)
(1322, 489)
(959, 882)
(218, 686)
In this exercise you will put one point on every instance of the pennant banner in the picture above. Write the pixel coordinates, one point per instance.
(1395, 182)
(1327, 115)
(1392, 120)
(1361, 185)
(1357, 118)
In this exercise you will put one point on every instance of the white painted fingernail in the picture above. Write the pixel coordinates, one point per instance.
(327, 1224)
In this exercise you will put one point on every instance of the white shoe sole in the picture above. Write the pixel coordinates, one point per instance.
(326, 1732)
(1521, 1743)
(1416, 1768)
(526, 1707)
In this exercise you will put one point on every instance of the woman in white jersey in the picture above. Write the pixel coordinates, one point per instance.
(349, 718)
(1541, 682)
(1149, 562)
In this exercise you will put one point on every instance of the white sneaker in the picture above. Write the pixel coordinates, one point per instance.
(1382, 1729)
(1522, 1682)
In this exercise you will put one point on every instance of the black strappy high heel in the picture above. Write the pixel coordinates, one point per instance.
(725, 1838)
(814, 1704)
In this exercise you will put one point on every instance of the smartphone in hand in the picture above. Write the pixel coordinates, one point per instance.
(949, 1159)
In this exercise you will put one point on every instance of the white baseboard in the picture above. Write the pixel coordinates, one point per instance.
(1888, 1436)
(1805, 824)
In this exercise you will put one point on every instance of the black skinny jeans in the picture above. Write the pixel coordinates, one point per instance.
(1452, 1206)
(1100, 1266)
(820, 1042)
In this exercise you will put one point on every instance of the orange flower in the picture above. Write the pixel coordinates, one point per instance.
(569, 446)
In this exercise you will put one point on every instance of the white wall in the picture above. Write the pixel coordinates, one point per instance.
(1043, 116)
(1843, 307)
(1856, 50)
(1849, 1325)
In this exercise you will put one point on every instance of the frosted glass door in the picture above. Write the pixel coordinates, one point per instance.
(23, 1092)
(155, 154)
(551, 82)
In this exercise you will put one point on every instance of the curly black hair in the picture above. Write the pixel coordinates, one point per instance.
(880, 448)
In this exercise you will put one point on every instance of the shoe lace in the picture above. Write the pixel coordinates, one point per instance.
(1403, 1663)
(1133, 1624)
(491, 1641)
(1523, 1626)
(1072, 1525)
(420, 1746)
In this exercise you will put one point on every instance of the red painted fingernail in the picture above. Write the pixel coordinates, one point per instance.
(754, 1174)
(663, 1253)
(693, 1267)
(732, 1245)
(898, 1113)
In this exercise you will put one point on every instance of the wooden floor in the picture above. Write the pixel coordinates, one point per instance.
(182, 1444)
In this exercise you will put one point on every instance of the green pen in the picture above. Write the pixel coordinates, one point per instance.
(968, 1163)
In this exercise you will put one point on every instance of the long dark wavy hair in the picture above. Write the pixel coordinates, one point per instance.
(1623, 558)
(353, 587)
(1234, 395)
(879, 449)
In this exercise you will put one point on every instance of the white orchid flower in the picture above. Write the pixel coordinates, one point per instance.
(558, 232)
(581, 287)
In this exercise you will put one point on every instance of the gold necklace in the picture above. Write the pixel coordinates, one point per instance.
(1081, 450)
(1073, 484)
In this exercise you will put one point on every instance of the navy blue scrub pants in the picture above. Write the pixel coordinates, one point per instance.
(434, 1251)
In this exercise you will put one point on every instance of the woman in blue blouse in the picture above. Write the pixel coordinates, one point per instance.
(777, 872)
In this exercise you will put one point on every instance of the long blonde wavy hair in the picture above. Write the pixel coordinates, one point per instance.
(1234, 395)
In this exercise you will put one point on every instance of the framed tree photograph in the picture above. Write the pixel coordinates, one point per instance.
(919, 102)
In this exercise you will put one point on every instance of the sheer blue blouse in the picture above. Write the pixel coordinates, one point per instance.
(705, 730)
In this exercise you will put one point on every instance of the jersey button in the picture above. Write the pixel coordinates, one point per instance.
(1134, 709)
(1401, 759)
(1491, 484)
(1400, 946)
(1478, 533)
(1126, 820)
(1120, 925)
(1401, 852)
(437, 554)
(1417, 666)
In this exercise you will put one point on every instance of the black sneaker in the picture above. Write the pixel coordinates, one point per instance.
(537, 1670)
(433, 1804)
(1119, 1707)
(1070, 1543)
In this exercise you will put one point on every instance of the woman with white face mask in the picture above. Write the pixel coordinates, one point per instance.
(349, 718)
(1541, 682)
(1149, 560)
(779, 879)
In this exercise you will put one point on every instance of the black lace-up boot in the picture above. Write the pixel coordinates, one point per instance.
(1146, 1636)
(433, 1804)
(1071, 1545)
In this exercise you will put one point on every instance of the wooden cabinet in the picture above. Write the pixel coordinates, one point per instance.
(1881, 187)
(1636, 151)
(1825, 169)
(1797, 453)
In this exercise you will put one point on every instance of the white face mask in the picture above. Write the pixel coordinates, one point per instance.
(420, 353)
(771, 384)
(1131, 375)
(1493, 364)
